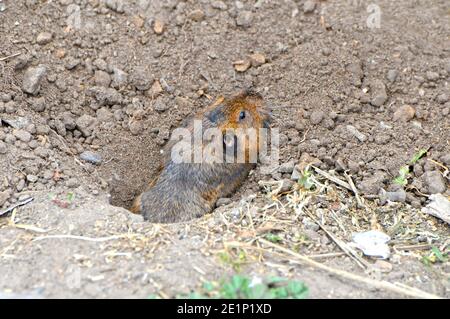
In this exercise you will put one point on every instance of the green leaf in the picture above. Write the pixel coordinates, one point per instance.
(70, 196)
(298, 290)
(208, 286)
(404, 170)
(257, 292)
(418, 155)
(274, 238)
(438, 254)
(400, 180)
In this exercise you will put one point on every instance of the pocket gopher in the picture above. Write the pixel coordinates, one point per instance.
(183, 191)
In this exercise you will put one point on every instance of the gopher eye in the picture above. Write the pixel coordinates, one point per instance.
(241, 115)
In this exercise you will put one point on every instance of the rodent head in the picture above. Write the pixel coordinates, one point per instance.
(243, 111)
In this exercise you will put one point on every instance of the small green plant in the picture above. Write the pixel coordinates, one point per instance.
(70, 196)
(234, 258)
(242, 287)
(418, 156)
(306, 180)
(434, 256)
(402, 178)
(403, 173)
(274, 238)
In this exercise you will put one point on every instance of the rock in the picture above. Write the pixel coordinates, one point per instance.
(135, 127)
(379, 95)
(242, 65)
(42, 152)
(5, 97)
(42, 129)
(86, 124)
(355, 68)
(316, 117)
(244, 19)
(141, 79)
(60, 53)
(257, 59)
(404, 113)
(296, 174)
(44, 38)
(102, 78)
(91, 157)
(32, 79)
(32, 178)
(3, 148)
(354, 131)
(116, 5)
(442, 98)
(137, 21)
(10, 139)
(392, 75)
(105, 96)
(100, 64)
(432, 76)
(72, 63)
(4, 196)
(309, 6)
(119, 78)
(310, 224)
(161, 106)
(223, 202)
(18, 122)
(156, 89)
(371, 185)
(166, 86)
(398, 196)
(10, 107)
(196, 15)
(104, 115)
(434, 182)
(220, 5)
(445, 159)
(68, 121)
(72, 183)
(287, 185)
(287, 167)
(20, 185)
(158, 27)
(22, 135)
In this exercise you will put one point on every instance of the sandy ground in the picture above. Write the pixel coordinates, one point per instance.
(352, 91)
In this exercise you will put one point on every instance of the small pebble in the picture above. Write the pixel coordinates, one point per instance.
(44, 38)
(32, 79)
(404, 113)
(244, 19)
(309, 6)
(91, 157)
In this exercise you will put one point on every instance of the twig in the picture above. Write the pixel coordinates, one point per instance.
(96, 239)
(412, 247)
(11, 208)
(385, 285)
(359, 261)
(10, 56)
(355, 191)
(332, 178)
(12, 223)
(327, 255)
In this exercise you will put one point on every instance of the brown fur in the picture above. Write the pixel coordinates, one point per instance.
(181, 192)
